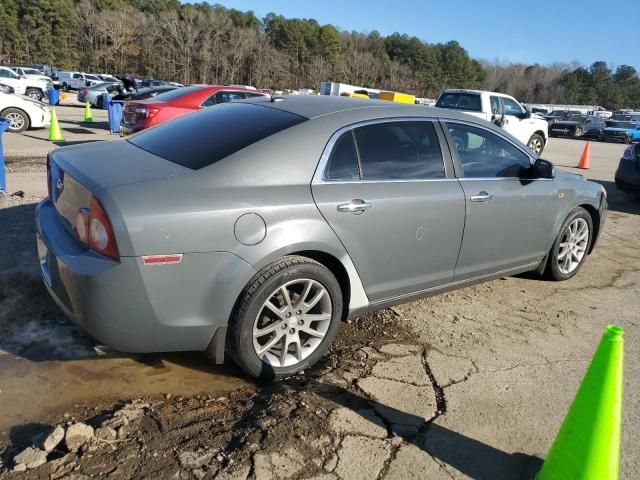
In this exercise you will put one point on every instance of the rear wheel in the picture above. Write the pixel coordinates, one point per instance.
(65, 87)
(570, 249)
(286, 318)
(99, 102)
(18, 118)
(578, 132)
(536, 143)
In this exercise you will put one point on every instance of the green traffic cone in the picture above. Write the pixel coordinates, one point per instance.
(55, 134)
(588, 444)
(88, 118)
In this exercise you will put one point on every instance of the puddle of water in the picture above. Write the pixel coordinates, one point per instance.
(43, 391)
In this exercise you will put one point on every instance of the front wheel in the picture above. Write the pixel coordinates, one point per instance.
(286, 318)
(536, 143)
(570, 249)
(578, 132)
(18, 118)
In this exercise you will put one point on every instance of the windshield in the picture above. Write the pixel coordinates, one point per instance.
(207, 136)
(91, 77)
(31, 71)
(460, 101)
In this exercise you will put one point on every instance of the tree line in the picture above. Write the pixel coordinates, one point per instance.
(204, 43)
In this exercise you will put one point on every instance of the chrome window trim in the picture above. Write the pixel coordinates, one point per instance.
(318, 176)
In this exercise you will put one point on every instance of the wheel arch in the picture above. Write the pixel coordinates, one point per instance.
(542, 134)
(595, 220)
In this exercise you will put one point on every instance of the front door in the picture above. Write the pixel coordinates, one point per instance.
(514, 121)
(391, 197)
(509, 214)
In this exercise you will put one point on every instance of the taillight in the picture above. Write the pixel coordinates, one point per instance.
(146, 112)
(628, 153)
(49, 178)
(84, 92)
(153, 111)
(93, 228)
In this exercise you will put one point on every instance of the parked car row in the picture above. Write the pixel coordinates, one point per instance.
(34, 86)
(620, 128)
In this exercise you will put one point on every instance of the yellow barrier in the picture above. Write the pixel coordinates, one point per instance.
(397, 97)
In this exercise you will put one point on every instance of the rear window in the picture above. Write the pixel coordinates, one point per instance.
(460, 101)
(177, 93)
(202, 138)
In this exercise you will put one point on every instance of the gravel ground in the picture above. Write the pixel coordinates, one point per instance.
(469, 384)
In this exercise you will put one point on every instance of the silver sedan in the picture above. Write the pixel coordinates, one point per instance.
(93, 94)
(256, 227)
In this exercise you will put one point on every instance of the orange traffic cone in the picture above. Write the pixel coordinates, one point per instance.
(584, 159)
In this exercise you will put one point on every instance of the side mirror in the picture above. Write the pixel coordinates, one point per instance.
(526, 114)
(544, 169)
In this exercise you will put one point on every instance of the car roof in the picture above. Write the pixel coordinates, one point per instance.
(314, 106)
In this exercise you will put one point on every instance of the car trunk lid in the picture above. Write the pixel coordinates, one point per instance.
(77, 173)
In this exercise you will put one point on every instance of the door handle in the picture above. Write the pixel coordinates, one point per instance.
(481, 197)
(356, 206)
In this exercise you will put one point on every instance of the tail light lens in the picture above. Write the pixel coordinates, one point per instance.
(146, 112)
(628, 153)
(84, 92)
(49, 178)
(93, 228)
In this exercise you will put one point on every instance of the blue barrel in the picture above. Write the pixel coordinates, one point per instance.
(4, 126)
(54, 96)
(114, 110)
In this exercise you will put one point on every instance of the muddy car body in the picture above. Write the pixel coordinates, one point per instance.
(259, 225)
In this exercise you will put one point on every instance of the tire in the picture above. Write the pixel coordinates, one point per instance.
(554, 270)
(99, 103)
(34, 94)
(65, 88)
(578, 132)
(536, 143)
(291, 273)
(19, 119)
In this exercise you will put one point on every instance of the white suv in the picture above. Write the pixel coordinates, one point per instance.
(501, 109)
(36, 88)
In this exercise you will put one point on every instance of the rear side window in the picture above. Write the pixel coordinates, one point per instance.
(202, 138)
(343, 162)
(460, 101)
(399, 151)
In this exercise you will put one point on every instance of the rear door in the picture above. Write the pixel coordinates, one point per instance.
(389, 192)
(509, 214)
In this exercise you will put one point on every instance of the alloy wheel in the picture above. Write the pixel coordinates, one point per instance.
(292, 322)
(573, 245)
(17, 120)
(536, 145)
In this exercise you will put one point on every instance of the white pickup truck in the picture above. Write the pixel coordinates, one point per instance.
(502, 110)
(36, 88)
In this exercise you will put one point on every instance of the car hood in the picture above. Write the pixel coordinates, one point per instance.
(103, 164)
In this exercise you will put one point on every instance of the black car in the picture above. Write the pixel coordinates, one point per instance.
(578, 126)
(557, 115)
(628, 173)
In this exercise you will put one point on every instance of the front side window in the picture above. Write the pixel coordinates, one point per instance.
(511, 107)
(399, 151)
(484, 154)
(77, 76)
(495, 105)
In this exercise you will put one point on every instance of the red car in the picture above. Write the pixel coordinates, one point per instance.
(143, 114)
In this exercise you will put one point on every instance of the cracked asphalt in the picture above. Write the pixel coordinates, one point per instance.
(469, 384)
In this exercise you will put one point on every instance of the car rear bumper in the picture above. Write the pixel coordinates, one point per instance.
(134, 307)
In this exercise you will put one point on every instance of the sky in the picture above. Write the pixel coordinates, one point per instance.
(543, 31)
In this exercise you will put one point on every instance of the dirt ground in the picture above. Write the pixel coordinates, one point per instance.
(469, 384)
